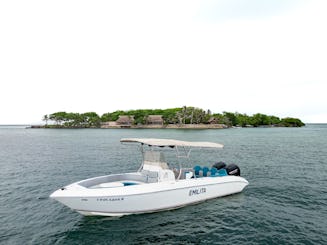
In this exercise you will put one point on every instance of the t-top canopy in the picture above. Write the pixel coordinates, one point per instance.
(171, 142)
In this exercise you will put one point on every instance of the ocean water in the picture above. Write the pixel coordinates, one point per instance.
(285, 202)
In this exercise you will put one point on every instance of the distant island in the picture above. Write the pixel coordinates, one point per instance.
(182, 117)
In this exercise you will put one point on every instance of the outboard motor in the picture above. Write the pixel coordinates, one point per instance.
(219, 165)
(233, 169)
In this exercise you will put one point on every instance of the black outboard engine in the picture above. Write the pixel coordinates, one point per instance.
(233, 169)
(219, 165)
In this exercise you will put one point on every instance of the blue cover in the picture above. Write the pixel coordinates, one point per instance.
(213, 171)
(205, 171)
(197, 170)
(222, 172)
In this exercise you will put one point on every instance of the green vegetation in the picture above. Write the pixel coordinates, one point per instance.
(73, 120)
(181, 115)
(291, 122)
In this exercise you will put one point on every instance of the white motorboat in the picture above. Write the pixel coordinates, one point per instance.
(155, 186)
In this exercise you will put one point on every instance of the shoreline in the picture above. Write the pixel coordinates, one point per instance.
(169, 126)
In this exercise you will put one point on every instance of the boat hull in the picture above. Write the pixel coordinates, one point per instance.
(147, 198)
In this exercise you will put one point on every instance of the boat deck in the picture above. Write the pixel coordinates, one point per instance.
(115, 184)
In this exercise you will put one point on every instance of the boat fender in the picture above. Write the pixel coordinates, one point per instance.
(219, 165)
(233, 169)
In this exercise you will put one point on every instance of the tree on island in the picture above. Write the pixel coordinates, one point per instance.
(75, 120)
(179, 115)
(291, 122)
(46, 119)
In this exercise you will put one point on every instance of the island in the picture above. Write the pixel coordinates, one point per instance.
(185, 117)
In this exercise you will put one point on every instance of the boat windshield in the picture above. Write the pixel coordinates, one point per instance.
(155, 158)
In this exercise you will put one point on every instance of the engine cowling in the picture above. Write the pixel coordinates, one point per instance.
(233, 169)
(219, 165)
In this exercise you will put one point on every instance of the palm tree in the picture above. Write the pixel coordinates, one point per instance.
(45, 118)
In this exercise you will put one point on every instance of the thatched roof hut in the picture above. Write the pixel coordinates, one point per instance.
(125, 120)
(155, 120)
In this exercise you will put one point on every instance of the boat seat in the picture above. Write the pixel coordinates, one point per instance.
(218, 173)
(222, 172)
(197, 170)
(213, 172)
(205, 171)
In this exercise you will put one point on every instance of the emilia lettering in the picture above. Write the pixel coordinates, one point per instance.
(197, 191)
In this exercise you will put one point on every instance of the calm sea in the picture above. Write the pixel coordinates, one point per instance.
(285, 202)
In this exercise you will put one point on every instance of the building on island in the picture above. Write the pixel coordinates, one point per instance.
(125, 121)
(154, 120)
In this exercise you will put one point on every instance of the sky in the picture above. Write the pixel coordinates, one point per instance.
(246, 56)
